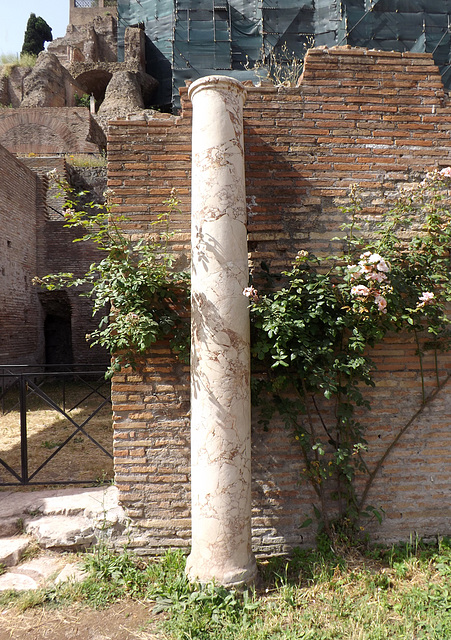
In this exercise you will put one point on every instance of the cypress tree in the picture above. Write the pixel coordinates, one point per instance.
(37, 32)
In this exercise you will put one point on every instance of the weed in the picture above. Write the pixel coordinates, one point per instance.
(32, 551)
(50, 444)
(283, 67)
(24, 600)
(9, 61)
(86, 160)
(20, 525)
(82, 101)
(102, 479)
(310, 595)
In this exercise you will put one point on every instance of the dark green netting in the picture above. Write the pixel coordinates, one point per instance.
(187, 39)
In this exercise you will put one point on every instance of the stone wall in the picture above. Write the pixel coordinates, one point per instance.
(13, 84)
(4, 91)
(358, 116)
(80, 13)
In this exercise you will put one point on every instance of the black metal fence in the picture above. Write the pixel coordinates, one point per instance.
(24, 389)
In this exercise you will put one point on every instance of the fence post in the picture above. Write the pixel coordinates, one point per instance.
(23, 428)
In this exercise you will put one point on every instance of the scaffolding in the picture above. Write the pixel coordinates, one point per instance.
(187, 39)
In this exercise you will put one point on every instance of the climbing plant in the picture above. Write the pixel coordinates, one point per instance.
(313, 336)
(137, 294)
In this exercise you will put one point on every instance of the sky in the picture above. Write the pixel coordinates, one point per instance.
(14, 16)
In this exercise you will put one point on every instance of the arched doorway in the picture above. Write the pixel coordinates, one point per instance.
(95, 83)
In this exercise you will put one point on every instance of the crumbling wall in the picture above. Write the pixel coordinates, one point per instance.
(13, 85)
(49, 84)
(48, 130)
(81, 13)
(4, 91)
(58, 253)
(366, 117)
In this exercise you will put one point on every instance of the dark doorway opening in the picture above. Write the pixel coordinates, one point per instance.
(57, 328)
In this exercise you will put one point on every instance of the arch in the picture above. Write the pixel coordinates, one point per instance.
(95, 82)
(53, 130)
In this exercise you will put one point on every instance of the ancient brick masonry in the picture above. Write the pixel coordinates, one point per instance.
(35, 242)
(19, 307)
(50, 130)
(367, 117)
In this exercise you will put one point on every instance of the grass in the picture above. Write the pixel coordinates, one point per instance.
(9, 60)
(86, 160)
(401, 592)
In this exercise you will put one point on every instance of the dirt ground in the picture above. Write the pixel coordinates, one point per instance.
(126, 620)
(80, 459)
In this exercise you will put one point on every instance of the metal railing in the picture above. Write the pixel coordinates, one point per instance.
(18, 383)
(92, 4)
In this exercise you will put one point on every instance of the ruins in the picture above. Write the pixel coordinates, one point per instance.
(357, 115)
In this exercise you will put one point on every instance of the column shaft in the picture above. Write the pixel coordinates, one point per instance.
(220, 365)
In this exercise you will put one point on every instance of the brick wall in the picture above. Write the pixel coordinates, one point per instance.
(20, 313)
(47, 130)
(34, 242)
(357, 116)
(58, 253)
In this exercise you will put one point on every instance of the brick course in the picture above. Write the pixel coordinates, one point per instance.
(367, 117)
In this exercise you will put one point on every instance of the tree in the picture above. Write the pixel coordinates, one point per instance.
(37, 32)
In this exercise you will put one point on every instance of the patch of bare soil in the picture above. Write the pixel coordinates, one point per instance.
(126, 620)
(80, 459)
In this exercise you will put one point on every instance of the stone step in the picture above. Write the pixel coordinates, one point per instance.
(93, 511)
(75, 533)
(40, 572)
(12, 550)
(66, 519)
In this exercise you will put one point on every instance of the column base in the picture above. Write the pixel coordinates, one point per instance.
(203, 571)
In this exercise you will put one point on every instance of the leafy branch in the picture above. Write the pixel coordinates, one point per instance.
(137, 294)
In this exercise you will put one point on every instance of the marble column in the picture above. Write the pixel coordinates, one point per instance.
(220, 360)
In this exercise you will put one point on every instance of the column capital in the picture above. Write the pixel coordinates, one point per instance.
(220, 83)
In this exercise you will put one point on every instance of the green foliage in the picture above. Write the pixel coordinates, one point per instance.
(86, 160)
(314, 335)
(138, 295)
(37, 32)
(82, 101)
(9, 61)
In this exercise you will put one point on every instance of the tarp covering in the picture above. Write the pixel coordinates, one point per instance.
(191, 38)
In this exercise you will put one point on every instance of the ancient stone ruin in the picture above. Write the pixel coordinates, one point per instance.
(286, 155)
